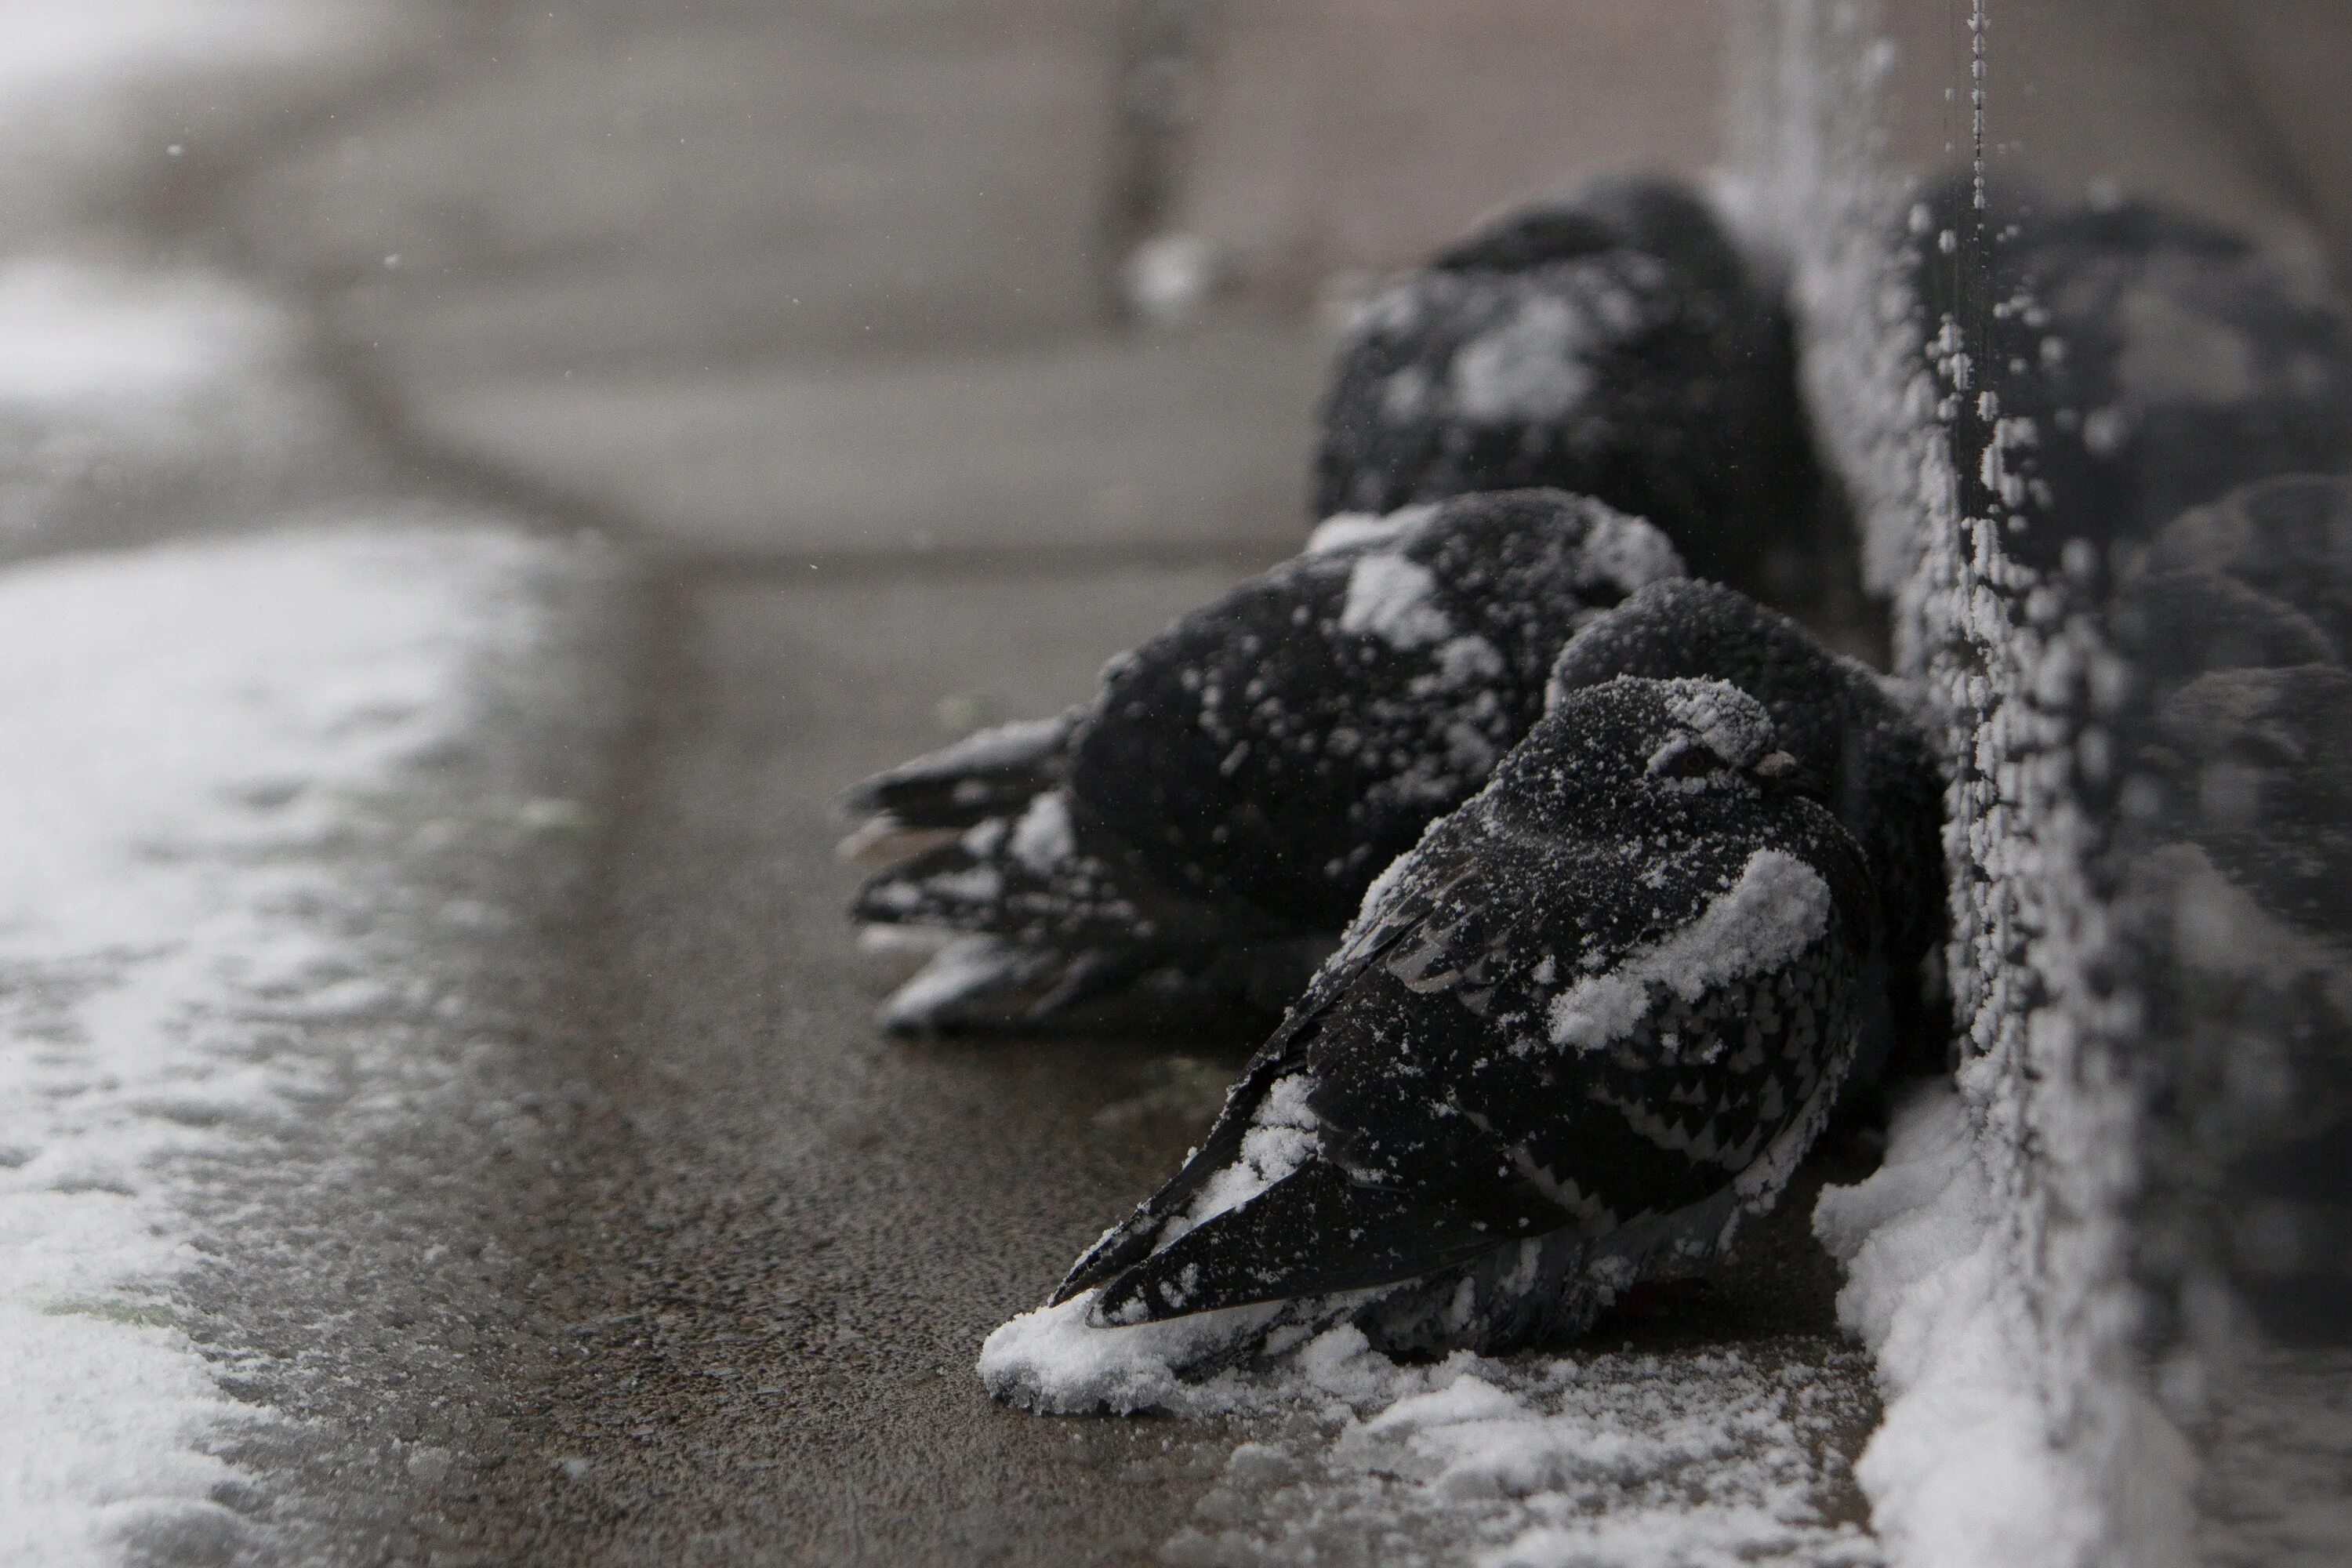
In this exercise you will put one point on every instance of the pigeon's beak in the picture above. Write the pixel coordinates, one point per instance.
(1775, 765)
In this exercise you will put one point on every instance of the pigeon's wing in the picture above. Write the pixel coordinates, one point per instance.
(1443, 871)
(1455, 1110)
(1711, 1125)
(1314, 1233)
(995, 773)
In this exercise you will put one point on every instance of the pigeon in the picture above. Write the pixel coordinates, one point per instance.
(1615, 344)
(1591, 1021)
(2138, 361)
(2288, 540)
(1851, 732)
(1209, 822)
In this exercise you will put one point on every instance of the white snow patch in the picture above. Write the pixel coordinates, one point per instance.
(1628, 552)
(78, 335)
(109, 373)
(1530, 367)
(1284, 1134)
(1389, 598)
(1728, 722)
(1961, 1473)
(1594, 1460)
(46, 46)
(205, 738)
(1042, 839)
(1345, 530)
(1777, 908)
(1054, 1360)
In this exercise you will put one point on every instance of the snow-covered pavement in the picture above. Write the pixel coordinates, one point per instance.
(226, 758)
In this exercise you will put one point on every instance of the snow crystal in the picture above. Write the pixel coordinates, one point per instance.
(1389, 598)
(216, 728)
(1529, 368)
(1778, 907)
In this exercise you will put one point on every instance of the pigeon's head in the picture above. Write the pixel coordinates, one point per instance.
(1636, 751)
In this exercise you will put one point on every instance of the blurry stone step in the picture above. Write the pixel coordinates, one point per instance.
(594, 183)
(1339, 136)
(1144, 441)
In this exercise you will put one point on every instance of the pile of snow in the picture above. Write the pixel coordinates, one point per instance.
(213, 748)
(1961, 1473)
(92, 337)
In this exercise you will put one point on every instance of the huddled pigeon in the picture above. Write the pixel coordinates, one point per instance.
(1851, 737)
(2124, 362)
(1591, 1020)
(2237, 617)
(1615, 344)
(2288, 539)
(2234, 880)
(1239, 780)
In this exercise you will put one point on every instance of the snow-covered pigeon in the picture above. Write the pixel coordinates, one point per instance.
(1239, 780)
(1615, 344)
(1590, 1021)
(2123, 362)
(2288, 540)
(1850, 736)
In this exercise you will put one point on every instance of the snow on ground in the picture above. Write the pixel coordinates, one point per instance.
(1593, 1458)
(1961, 1473)
(1601, 1459)
(75, 46)
(116, 381)
(97, 95)
(208, 749)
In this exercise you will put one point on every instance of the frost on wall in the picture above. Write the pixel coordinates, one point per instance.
(2145, 827)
